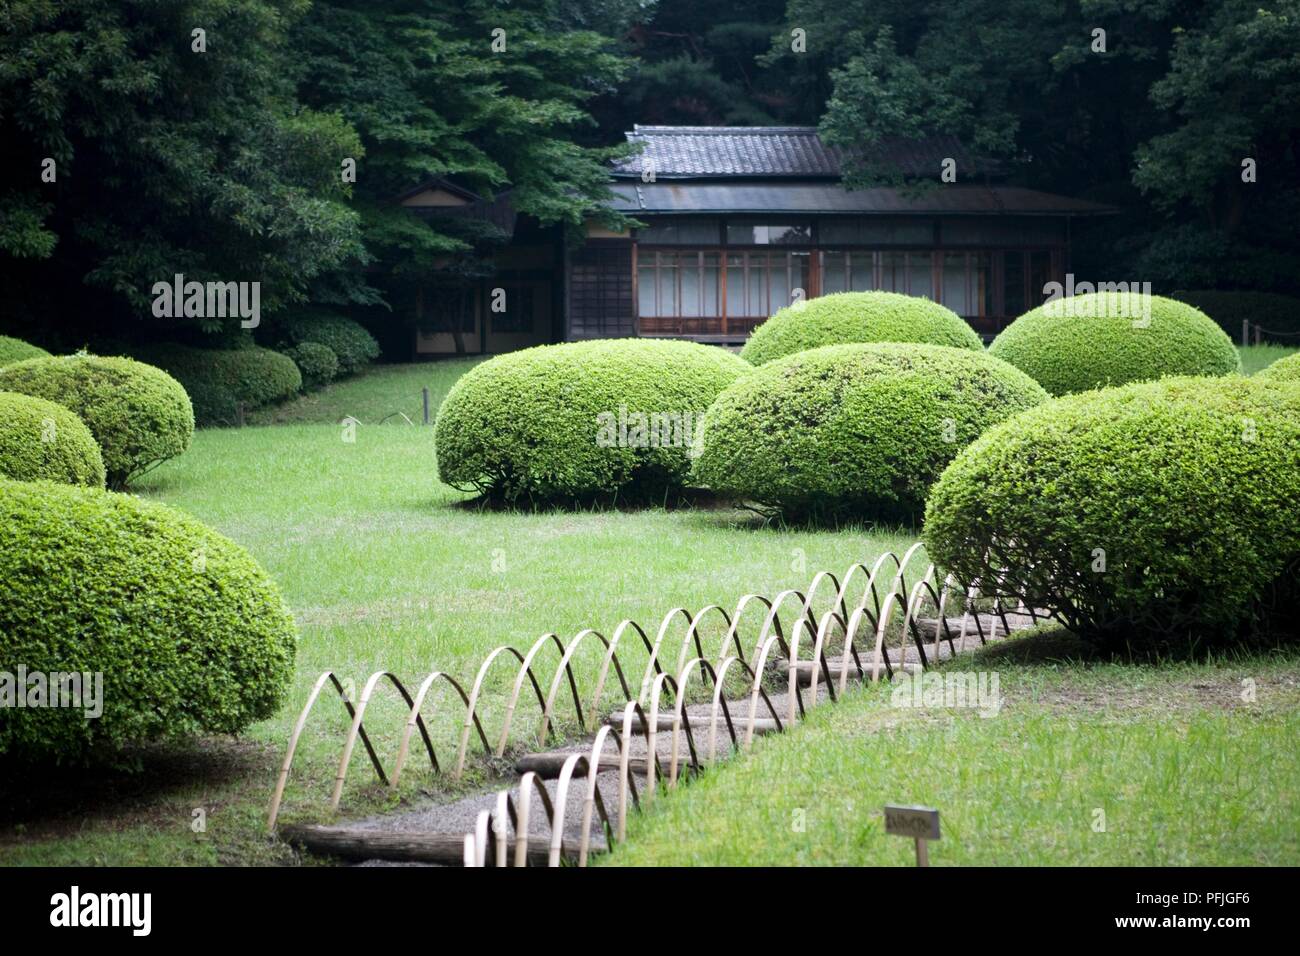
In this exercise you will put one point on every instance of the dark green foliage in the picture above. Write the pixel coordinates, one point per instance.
(317, 363)
(168, 160)
(858, 317)
(429, 97)
(219, 380)
(353, 346)
(190, 634)
(1106, 338)
(546, 423)
(1278, 314)
(1159, 510)
(140, 416)
(15, 350)
(1285, 369)
(1159, 122)
(43, 441)
(854, 431)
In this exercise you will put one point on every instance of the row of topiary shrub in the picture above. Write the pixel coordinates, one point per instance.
(185, 631)
(309, 350)
(169, 628)
(139, 415)
(220, 381)
(843, 432)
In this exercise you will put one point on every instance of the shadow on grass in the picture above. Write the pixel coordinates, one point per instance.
(139, 784)
(1052, 644)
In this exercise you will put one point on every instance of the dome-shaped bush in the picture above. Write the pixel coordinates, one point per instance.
(317, 362)
(41, 440)
(219, 380)
(1155, 509)
(187, 631)
(851, 431)
(348, 340)
(581, 419)
(1112, 338)
(1285, 369)
(139, 414)
(858, 317)
(16, 350)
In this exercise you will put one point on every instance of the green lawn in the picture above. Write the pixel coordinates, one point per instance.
(385, 568)
(1257, 357)
(381, 392)
(1170, 759)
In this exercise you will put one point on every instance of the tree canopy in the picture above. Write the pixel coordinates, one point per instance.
(212, 138)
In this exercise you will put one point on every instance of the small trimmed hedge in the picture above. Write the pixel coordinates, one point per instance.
(140, 416)
(351, 343)
(218, 380)
(42, 440)
(317, 363)
(190, 634)
(16, 350)
(1274, 312)
(1105, 338)
(854, 431)
(1155, 512)
(858, 317)
(580, 420)
(1285, 369)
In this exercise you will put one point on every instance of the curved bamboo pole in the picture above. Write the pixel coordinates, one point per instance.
(611, 656)
(526, 670)
(560, 672)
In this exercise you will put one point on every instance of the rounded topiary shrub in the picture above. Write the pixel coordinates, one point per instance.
(16, 350)
(854, 431)
(350, 342)
(1158, 510)
(140, 416)
(187, 631)
(1111, 338)
(218, 381)
(41, 440)
(580, 420)
(858, 317)
(317, 363)
(1285, 369)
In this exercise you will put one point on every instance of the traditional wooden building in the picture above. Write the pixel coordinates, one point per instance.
(741, 221)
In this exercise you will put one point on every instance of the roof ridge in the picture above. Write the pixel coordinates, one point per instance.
(721, 130)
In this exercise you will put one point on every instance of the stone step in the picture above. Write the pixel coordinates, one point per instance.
(447, 849)
(699, 721)
(805, 668)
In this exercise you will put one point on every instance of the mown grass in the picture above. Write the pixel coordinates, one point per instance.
(1085, 764)
(386, 568)
(1255, 358)
(380, 392)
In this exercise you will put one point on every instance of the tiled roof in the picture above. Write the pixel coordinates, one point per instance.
(703, 152)
(831, 198)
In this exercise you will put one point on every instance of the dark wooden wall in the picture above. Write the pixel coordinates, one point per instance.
(601, 299)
